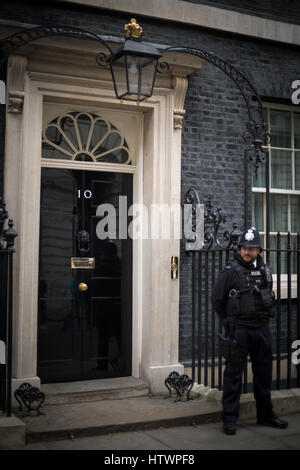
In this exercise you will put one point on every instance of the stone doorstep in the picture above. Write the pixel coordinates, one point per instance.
(140, 413)
(132, 414)
(94, 390)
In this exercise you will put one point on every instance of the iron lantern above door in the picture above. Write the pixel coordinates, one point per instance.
(133, 66)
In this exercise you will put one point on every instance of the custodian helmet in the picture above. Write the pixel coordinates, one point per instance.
(250, 237)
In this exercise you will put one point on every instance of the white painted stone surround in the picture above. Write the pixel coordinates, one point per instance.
(51, 72)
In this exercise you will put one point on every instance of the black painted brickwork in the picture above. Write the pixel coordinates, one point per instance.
(212, 145)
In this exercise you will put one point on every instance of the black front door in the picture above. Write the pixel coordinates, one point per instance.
(84, 313)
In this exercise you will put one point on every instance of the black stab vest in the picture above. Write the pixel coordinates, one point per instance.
(254, 297)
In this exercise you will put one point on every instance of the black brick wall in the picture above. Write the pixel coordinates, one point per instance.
(212, 145)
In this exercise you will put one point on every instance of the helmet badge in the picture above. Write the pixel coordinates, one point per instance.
(249, 235)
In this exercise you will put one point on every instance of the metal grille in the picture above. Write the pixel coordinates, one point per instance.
(7, 249)
(206, 362)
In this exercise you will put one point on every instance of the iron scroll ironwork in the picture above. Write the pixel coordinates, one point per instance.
(256, 134)
(7, 237)
(179, 383)
(212, 222)
(28, 395)
(11, 43)
(7, 249)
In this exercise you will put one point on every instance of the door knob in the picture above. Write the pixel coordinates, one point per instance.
(83, 287)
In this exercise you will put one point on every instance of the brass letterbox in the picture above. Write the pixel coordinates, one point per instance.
(82, 263)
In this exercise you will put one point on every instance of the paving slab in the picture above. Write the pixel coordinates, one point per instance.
(12, 431)
(112, 442)
(211, 437)
(186, 438)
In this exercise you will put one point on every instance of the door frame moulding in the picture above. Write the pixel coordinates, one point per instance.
(157, 177)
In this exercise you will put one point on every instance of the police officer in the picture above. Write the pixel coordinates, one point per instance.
(243, 298)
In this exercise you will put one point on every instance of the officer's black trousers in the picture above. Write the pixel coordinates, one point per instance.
(257, 342)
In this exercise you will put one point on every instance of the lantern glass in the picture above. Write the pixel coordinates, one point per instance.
(148, 77)
(133, 76)
(141, 72)
(119, 74)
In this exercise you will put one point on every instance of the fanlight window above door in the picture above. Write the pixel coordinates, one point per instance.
(83, 136)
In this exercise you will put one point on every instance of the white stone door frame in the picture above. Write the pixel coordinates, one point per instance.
(157, 179)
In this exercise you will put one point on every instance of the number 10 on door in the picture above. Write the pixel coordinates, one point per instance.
(86, 194)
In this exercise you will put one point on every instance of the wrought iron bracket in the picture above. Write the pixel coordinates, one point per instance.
(179, 383)
(256, 134)
(7, 237)
(213, 219)
(212, 222)
(11, 43)
(27, 395)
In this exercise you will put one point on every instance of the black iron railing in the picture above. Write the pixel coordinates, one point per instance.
(207, 363)
(7, 237)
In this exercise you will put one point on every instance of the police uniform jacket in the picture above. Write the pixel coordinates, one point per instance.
(243, 293)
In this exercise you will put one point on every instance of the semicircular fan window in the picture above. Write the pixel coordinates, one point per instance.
(83, 136)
